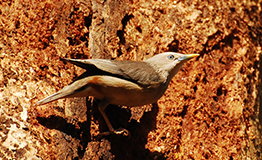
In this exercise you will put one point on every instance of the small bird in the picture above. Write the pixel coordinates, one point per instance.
(127, 83)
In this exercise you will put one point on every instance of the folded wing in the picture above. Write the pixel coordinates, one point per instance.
(137, 72)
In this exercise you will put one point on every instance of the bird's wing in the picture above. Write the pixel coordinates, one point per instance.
(140, 72)
(135, 71)
(97, 66)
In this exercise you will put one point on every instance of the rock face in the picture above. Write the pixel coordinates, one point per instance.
(211, 109)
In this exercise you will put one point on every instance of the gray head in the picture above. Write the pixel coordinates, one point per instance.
(170, 61)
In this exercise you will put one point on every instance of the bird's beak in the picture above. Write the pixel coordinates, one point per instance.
(187, 56)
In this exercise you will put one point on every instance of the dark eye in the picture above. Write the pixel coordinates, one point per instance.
(170, 56)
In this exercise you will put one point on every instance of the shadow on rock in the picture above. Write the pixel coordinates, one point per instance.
(132, 147)
(80, 131)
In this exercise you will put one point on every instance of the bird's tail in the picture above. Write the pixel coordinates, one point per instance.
(51, 98)
(76, 89)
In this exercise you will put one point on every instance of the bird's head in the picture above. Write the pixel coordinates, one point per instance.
(170, 62)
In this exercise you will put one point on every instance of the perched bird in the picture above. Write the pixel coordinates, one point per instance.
(128, 83)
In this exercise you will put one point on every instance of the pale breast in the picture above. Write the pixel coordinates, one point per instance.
(122, 92)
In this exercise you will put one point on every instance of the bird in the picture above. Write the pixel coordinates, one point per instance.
(123, 83)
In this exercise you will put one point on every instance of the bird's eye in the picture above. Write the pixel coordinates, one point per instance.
(170, 56)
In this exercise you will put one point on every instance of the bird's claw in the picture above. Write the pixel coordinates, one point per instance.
(119, 131)
(122, 131)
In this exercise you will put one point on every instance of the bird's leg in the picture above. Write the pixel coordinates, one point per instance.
(101, 107)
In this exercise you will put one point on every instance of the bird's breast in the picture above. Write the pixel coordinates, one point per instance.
(122, 92)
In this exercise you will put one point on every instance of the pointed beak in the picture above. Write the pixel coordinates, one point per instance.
(187, 56)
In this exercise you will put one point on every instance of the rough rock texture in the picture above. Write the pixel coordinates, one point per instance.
(211, 109)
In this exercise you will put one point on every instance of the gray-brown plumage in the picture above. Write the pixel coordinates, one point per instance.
(129, 83)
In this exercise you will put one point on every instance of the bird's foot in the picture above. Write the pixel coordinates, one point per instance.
(120, 131)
